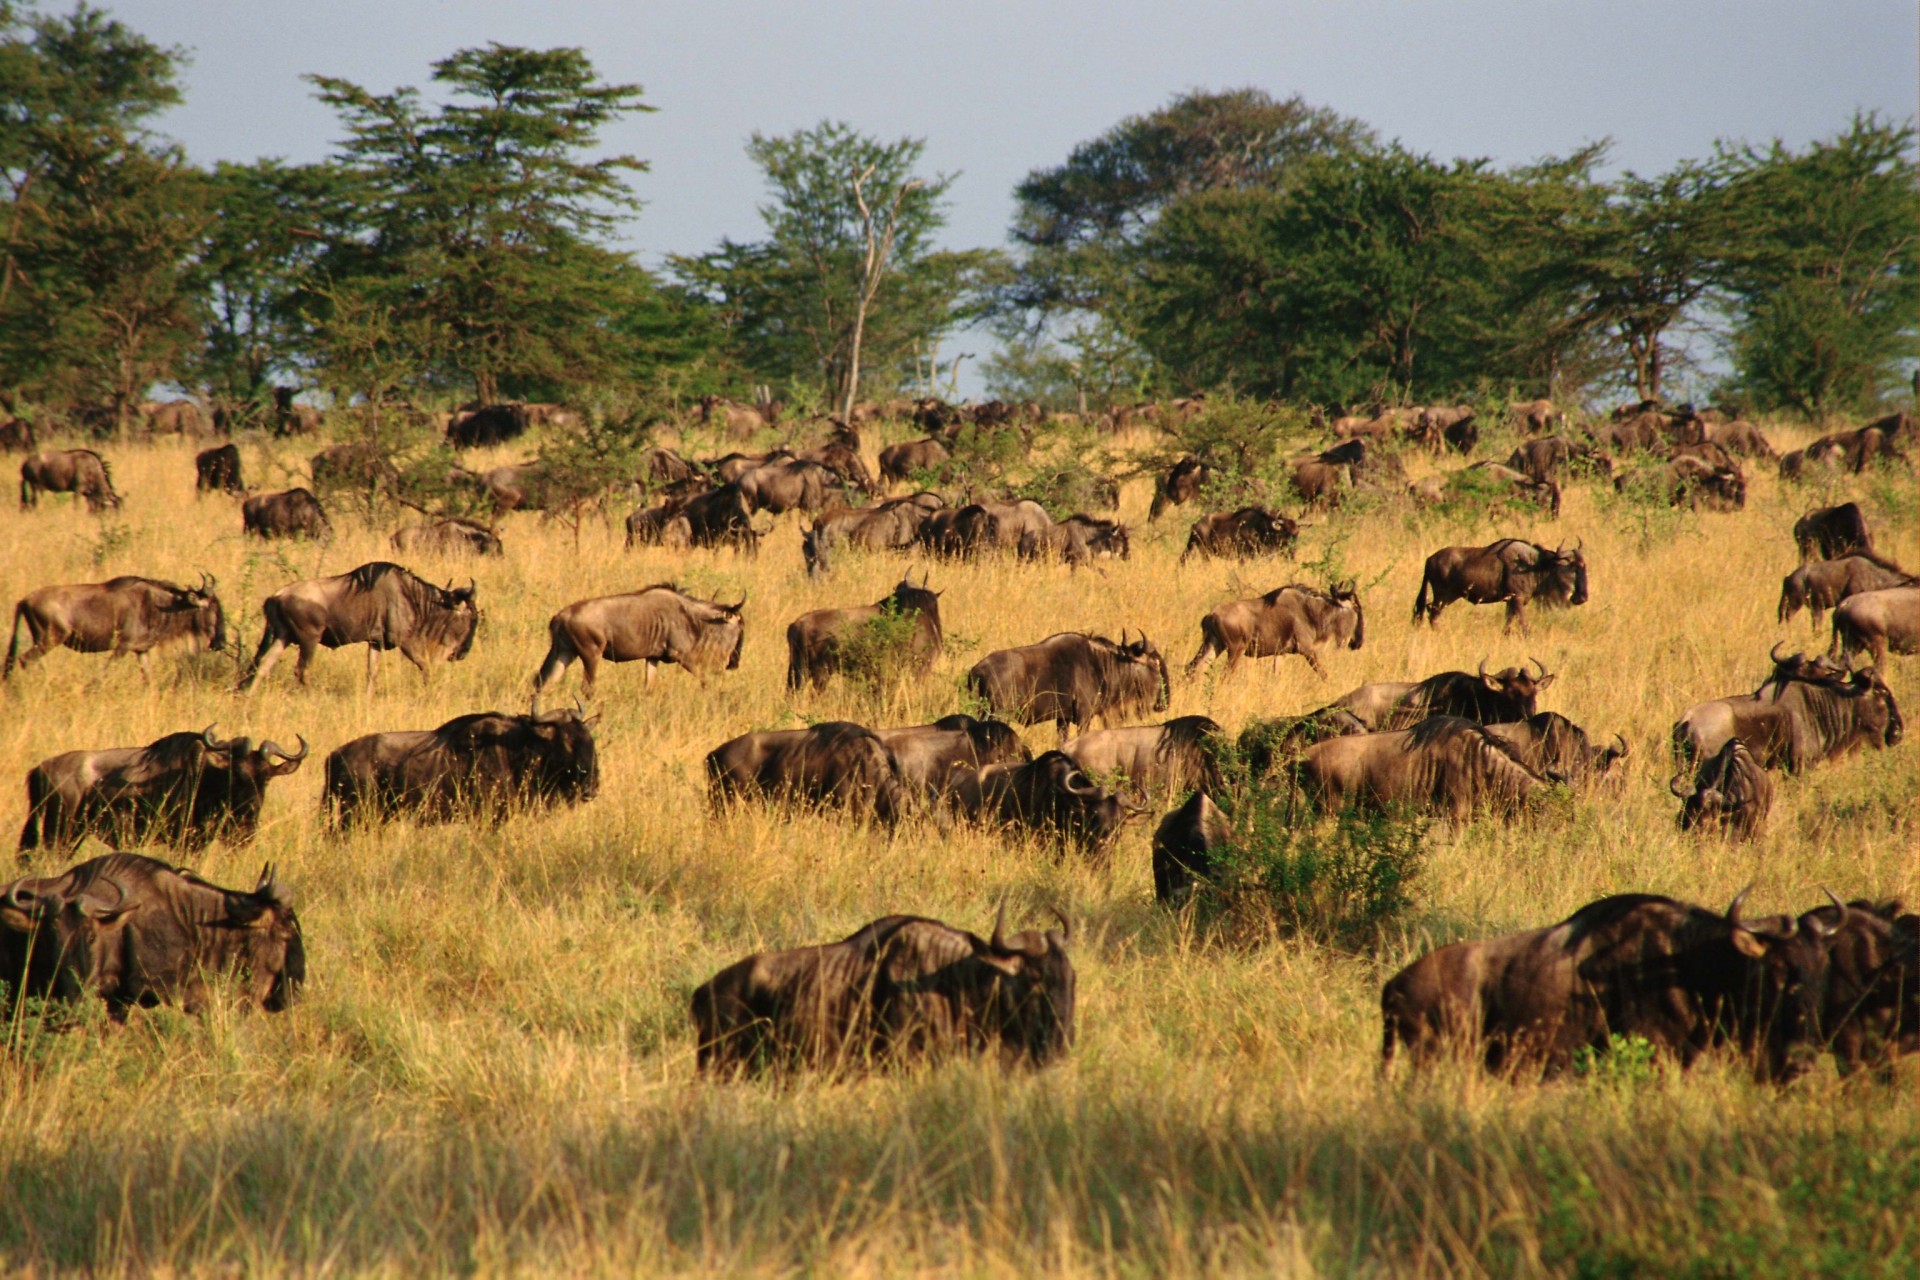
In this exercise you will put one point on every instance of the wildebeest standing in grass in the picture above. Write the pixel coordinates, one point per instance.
(1794, 723)
(790, 484)
(901, 462)
(447, 536)
(1182, 484)
(900, 990)
(1070, 678)
(837, 764)
(379, 605)
(656, 624)
(77, 471)
(824, 641)
(1872, 1008)
(721, 517)
(1443, 764)
(117, 617)
(1509, 572)
(1050, 796)
(182, 791)
(16, 435)
(1819, 585)
(1248, 532)
(218, 469)
(934, 758)
(291, 513)
(1289, 619)
(1156, 758)
(135, 931)
(1484, 697)
(481, 765)
(1829, 533)
(1186, 846)
(1731, 791)
(1876, 621)
(1077, 540)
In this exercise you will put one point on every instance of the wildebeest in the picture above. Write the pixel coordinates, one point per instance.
(1872, 1006)
(291, 419)
(478, 765)
(890, 525)
(981, 526)
(1819, 585)
(488, 424)
(1795, 723)
(1250, 531)
(790, 484)
(117, 617)
(1741, 437)
(740, 419)
(1695, 483)
(218, 468)
(1077, 540)
(1289, 619)
(1182, 484)
(1499, 697)
(1684, 978)
(284, 515)
(1730, 790)
(1319, 482)
(1553, 746)
(664, 525)
(824, 641)
(1876, 621)
(1050, 796)
(1071, 677)
(447, 536)
(1829, 533)
(835, 763)
(183, 791)
(1443, 764)
(1536, 416)
(353, 466)
(1542, 493)
(721, 516)
(135, 931)
(379, 605)
(1549, 458)
(658, 623)
(16, 435)
(77, 471)
(900, 990)
(1155, 758)
(934, 758)
(518, 487)
(901, 462)
(1509, 572)
(1186, 846)
(1449, 425)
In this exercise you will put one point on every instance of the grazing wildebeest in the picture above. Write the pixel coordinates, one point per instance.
(1319, 482)
(1695, 484)
(1050, 796)
(1181, 485)
(1502, 697)
(835, 763)
(1641, 432)
(1071, 677)
(1741, 437)
(1543, 493)
(903, 989)
(1536, 416)
(16, 436)
(1730, 790)
(1289, 619)
(447, 536)
(1451, 426)
(379, 605)
(521, 487)
(1828, 533)
(1509, 572)
(663, 526)
(1553, 746)
(824, 641)
(740, 419)
(489, 424)
(1819, 585)
(483, 764)
(1443, 764)
(1077, 540)
(1547, 459)
(901, 462)
(1266, 742)
(135, 931)
(934, 758)
(1872, 1009)
(981, 526)
(660, 467)
(1682, 977)
(888, 526)
(290, 513)
(656, 624)
(1876, 621)
(183, 791)
(218, 469)
(721, 516)
(117, 617)
(1794, 723)
(841, 455)
(1186, 846)
(1250, 531)
(1154, 758)
(790, 484)
(353, 466)
(290, 419)
(77, 471)
(728, 468)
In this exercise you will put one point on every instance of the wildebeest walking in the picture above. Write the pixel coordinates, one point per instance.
(481, 765)
(290, 513)
(901, 989)
(218, 469)
(117, 617)
(447, 536)
(824, 641)
(837, 764)
(1156, 758)
(1443, 764)
(656, 624)
(1829, 533)
(1070, 678)
(1731, 790)
(379, 605)
(77, 471)
(1248, 532)
(1289, 619)
(1876, 621)
(1819, 585)
(1509, 572)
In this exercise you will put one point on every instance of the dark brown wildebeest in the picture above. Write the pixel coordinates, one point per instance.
(658, 623)
(729, 468)
(888, 526)
(1795, 723)
(218, 469)
(899, 463)
(353, 466)
(824, 641)
(1819, 585)
(1250, 531)
(1556, 456)
(660, 467)
(1451, 426)
(379, 605)
(117, 617)
(183, 791)
(173, 418)
(1509, 572)
(1070, 678)
(485, 764)
(447, 536)
(903, 989)
(520, 487)
(1501, 697)
(721, 517)
(290, 419)
(663, 526)
(489, 424)
(1730, 790)
(1705, 452)
(1680, 976)
(1320, 483)
(1187, 845)
(1289, 619)
(16, 435)
(1444, 764)
(1077, 540)
(1876, 621)
(1181, 485)
(1828, 533)
(840, 454)
(76, 471)
(1553, 746)
(1697, 484)
(934, 758)
(1050, 796)
(1742, 438)
(135, 931)
(1641, 432)
(1872, 1009)
(290, 513)
(790, 484)
(836, 763)
(1267, 742)
(1154, 759)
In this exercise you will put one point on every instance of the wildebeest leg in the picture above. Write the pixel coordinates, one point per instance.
(307, 648)
(1202, 658)
(145, 659)
(649, 680)
(1516, 612)
(558, 659)
(590, 671)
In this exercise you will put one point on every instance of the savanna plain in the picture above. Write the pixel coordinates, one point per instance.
(491, 1066)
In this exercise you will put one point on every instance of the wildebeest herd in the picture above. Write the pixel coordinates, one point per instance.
(1842, 976)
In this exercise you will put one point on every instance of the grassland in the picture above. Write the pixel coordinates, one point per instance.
(491, 1069)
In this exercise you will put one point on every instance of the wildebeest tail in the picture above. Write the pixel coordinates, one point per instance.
(13, 641)
(35, 829)
(1420, 601)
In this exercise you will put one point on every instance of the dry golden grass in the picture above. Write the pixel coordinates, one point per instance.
(491, 1068)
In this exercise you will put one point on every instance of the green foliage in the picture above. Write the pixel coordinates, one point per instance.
(581, 465)
(1627, 1062)
(881, 650)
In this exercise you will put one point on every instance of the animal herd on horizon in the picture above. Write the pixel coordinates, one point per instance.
(1842, 977)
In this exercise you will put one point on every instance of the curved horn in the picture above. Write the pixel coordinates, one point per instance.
(999, 940)
(1773, 654)
(1625, 750)
(206, 582)
(270, 747)
(1819, 927)
(1483, 669)
(95, 909)
(14, 900)
(206, 736)
(1673, 785)
(1733, 908)
(1578, 543)
(1543, 667)
(579, 707)
(1066, 925)
(473, 586)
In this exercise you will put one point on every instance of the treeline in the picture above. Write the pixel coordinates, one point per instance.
(464, 247)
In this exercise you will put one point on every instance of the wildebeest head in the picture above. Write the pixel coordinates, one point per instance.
(1565, 574)
(1876, 710)
(571, 763)
(1517, 683)
(993, 740)
(1788, 959)
(464, 621)
(233, 778)
(814, 552)
(200, 610)
(909, 599)
(727, 621)
(1346, 594)
(273, 942)
(1140, 656)
(1035, 1003)
(1817, 669)
(1716, 792)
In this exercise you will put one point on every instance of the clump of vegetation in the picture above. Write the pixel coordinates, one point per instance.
(1625, 1062)
(881, 650)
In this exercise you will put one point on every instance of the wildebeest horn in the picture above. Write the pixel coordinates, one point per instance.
(1483, 669)
(270, 747)
(206, 582)
(999, 940)
(14, 899)
(92, 907)
(579, 707)
(1773, 654)
(206, 736)
(266, 886)
(1826, 930)
(1066, 925)
(1673, 785)
(1625, 750)
(1543, 667)
(1733, 908)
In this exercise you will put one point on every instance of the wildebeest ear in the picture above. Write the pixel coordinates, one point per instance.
(1748, 944)
(1546, 680)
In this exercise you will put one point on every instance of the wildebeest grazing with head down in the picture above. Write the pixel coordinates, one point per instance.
(1070, 678)
(1819, 585)
(824, 641)
(479, 765)
(1509, 572)
(836, 763)
(77, 471)
(1795, 721)
(1049, 795)
(1553, 746)
(183, 791)
(290, 513)
(1077, 540)
(218, 469)
(1186, 846)
(1731, 791)
(900, 990)
(1872, 1007)
(934, 758)
(721, 517)
(1876, 621)
(117, 617)
(447, 536)
(135, 931)
(1829, 533)
(656, 624)
(1181, 485)
(1154, 758)
(900, 462)
(379, 605)
(1289, 619)
(1248, 532)
(1443, 764)
(1498, 697)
